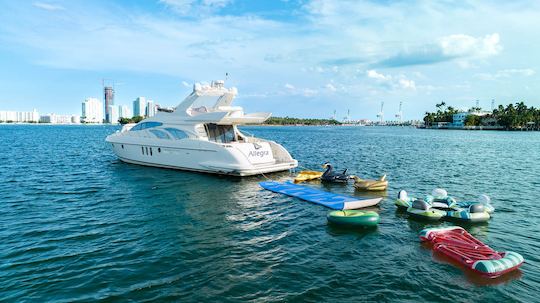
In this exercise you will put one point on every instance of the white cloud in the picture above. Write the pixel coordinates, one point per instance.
(392, 82)
(292, 90)
(507, 73)
(459, 47)
(185, 7)
(407, 84)
(289, 86)
(308, 92)
(48, 6)
(375, 75)
(462, 45)
(330, 87)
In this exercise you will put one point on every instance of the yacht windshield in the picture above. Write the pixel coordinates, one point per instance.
(205, 101)
(220, 133)
(145, 125)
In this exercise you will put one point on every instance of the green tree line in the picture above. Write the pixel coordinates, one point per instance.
(300, 121)
(135, 119)
(513, 116)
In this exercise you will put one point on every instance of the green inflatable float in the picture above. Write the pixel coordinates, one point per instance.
(353, 218)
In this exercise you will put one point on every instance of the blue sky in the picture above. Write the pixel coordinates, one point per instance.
(298, 58)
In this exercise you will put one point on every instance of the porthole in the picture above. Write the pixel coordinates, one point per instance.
(150, 151)
(159, 149)
(147, 150)
(122, 146)
(142, 150)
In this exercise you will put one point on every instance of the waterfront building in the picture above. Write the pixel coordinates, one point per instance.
(124, 112)
(92, 111)
(63, 119)
(17, 117)
(458, 120)
(108, 97)
(139, 107)
(113, 114)
(46, 118)
(150, 108)
(75, 119)
(56, 119)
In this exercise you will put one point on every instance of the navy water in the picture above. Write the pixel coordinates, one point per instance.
(79, 225)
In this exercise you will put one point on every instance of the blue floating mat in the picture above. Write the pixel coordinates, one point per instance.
(330, 200)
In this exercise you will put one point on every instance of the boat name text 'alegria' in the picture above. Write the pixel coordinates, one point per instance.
(259, 153)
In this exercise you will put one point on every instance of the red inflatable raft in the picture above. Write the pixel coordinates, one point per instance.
(459, 245)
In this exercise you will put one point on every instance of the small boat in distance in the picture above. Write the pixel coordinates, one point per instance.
(201, 134)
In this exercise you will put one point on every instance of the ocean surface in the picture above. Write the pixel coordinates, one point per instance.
(79, 225)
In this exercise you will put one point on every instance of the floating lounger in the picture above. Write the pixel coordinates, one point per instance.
(330, 200)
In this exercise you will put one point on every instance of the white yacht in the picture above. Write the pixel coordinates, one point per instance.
(201, 134)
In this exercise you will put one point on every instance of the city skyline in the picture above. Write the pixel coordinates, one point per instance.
(295, 58)
(92, 111)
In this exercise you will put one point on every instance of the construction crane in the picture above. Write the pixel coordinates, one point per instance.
(399, 114)
(348, 117)
(380, 115)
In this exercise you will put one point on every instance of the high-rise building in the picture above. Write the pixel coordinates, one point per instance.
(13, 116)
(113, 114)
(150, 108)
(139, 107)
(92, 111)
(108, 97)
(123, 111)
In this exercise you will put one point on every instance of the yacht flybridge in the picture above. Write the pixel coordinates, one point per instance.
(201, 134)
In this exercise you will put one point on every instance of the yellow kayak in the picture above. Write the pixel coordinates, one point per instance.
(373, 185)
(307, 175)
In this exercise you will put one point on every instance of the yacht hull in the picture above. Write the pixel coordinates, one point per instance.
(208, 158)
(238, 173)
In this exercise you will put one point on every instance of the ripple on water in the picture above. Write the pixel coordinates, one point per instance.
(79, 225)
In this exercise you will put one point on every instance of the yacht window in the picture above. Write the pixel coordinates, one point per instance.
(160, 134)
(145, 125)
(176, 133)
(220, 133)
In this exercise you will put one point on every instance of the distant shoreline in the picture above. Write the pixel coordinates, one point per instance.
(63, 124)
(479, 128)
